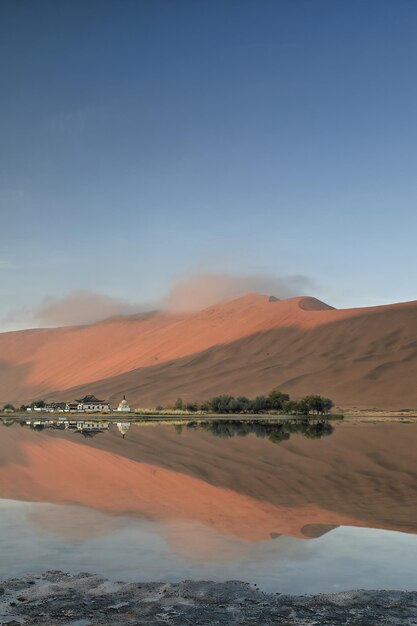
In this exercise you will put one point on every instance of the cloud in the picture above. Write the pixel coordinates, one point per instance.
(190, 293)
(198, 291)
(81, 307)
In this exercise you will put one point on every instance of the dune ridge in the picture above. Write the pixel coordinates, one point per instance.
(363, 356)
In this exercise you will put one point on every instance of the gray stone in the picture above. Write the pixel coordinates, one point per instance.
(58, 599)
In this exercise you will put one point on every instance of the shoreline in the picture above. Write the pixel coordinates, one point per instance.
(149, 418)
(56, 598)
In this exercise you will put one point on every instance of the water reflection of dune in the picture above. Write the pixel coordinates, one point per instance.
(63, 472)
(244, 487)
(312, 531)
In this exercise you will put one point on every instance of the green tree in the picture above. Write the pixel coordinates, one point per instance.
(302, 407)
(8, 407)
(179, 405)
(38, 403)
(327, 405)
(221, 404)
(290, 407)
(244, 403)
(277, 399)
(260, 404)
(314, 403)
(239, 405)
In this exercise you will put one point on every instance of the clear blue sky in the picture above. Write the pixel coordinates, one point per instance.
(144, 141)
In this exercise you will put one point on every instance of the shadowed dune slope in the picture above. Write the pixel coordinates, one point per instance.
(363, 357)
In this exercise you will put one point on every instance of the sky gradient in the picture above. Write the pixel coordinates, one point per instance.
(142, 143)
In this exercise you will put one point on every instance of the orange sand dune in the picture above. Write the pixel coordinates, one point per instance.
(362, 357)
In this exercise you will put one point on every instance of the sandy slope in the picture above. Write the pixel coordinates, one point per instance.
(362, 357)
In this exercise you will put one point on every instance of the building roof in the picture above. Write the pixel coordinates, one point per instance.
(90, 400)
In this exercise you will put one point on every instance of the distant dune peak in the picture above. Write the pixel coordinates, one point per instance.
(309, 303)
(306, 303)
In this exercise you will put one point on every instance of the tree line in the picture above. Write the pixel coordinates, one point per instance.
(275, 402)
(10, 408)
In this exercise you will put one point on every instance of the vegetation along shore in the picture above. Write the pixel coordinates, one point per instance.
(275, 403)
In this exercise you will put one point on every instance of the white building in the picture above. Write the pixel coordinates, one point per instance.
(91, 404)
(124, 406)
(55, 407)
(71, 407)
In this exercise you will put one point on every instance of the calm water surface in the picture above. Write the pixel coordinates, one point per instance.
(290, 514)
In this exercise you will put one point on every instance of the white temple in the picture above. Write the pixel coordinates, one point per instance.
(124, 406)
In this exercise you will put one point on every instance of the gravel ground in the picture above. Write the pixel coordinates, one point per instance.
(56, 598)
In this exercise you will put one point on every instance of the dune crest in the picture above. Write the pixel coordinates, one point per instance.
(312, 304)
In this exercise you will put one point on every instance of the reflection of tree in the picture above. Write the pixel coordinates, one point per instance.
(316, 430)
(275, 432)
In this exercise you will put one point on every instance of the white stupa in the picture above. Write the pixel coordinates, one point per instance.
(124, 406)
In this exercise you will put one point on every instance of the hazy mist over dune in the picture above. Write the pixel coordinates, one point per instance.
(192, 292)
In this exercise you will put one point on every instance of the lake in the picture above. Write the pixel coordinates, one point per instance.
(288, 511)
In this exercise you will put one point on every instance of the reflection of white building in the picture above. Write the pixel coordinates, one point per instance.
(90, 429)
(123, 428)
(92, 426)
(124, 406)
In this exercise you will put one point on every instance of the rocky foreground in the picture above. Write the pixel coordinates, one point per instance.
(56, 598)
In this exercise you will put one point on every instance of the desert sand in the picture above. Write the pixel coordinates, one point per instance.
(359, 357)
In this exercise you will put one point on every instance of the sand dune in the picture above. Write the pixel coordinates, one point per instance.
(365, 357)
